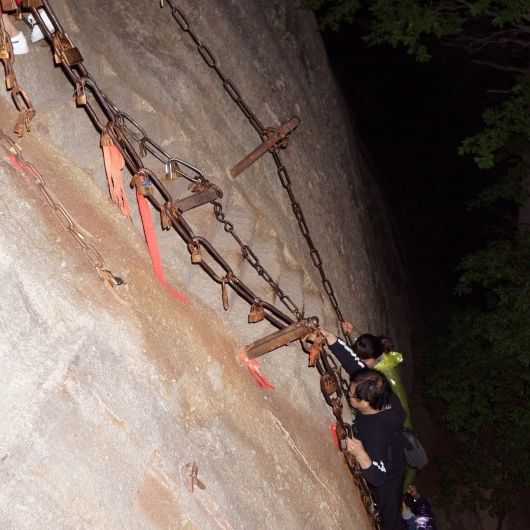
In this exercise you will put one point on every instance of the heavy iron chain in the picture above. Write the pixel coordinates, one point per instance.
(174, 167)
(26, 111)
(124, 131)
(250, 256)
(211, 61)
(333, 393)
(283, 174)
(60, 212)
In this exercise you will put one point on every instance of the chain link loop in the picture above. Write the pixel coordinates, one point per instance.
(59, 211)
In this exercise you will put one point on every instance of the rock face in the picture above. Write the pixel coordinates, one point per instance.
(109, 395)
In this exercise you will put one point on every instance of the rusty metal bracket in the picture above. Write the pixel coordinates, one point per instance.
(193, 480)
(281, 338)
(208, 194)
(275, 138)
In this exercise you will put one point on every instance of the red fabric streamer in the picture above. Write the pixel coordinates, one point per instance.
(114, 164)
(334, 434)
(152, 245)
(253, 366)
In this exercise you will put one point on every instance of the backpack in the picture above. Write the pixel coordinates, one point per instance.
(415, 454)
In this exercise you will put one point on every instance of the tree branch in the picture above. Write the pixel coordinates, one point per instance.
(513, 69)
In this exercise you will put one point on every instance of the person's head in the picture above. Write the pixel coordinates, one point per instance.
(387, 343)
(369, 348)
(412, 490)
(370, 391)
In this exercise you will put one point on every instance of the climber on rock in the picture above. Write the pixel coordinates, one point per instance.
(376, 445)
(378, 353)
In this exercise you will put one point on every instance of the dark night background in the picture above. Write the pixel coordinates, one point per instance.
(412, 117)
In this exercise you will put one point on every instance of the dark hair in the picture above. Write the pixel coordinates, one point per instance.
(386, 342)
(368, 346)
(372, 386)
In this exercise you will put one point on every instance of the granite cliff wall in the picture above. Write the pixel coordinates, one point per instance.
(109, 395)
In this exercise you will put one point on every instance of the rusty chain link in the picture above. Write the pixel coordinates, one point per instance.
(211, 61)
(59, 211)
(26, 111)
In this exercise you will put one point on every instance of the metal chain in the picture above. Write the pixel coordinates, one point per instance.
(250, 256)
(20, 98)
(285, 181)
(60, 212)
(211, 61)
(124, 131)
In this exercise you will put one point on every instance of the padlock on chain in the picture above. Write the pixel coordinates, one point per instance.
(256, 313)
(10, 81)
(172, 170)
(4, 47)
(308, 341)
(80, 96)
(10, 75)
(29, 4)
(196, 254)
(165, 218)
(64, 51)
(9, 5)
(141, 183)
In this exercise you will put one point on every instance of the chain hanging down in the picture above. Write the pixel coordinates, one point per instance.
(16, 159)
(26, 111)
(265, 135)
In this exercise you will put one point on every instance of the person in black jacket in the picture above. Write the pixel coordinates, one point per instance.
(378, 441)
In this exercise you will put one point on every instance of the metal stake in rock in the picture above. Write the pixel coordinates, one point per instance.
(276, 139)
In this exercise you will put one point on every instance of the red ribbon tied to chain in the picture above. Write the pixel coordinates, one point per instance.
(253, 366)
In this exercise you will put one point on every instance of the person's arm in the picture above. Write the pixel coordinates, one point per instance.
(349, 329)
(355, 447)
(373, 466)
(345, 355)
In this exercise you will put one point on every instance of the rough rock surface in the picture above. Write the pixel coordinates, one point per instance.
(106, 395)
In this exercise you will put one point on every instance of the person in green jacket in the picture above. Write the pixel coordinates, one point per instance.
(379, 354)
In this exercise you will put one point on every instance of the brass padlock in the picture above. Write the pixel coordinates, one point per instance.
(80, 96)
(64, 51)
(195, 250)
(257, 313)
(9, 5)
(165, 219)
(28, 4)
(172, 170)
(142, 185)
(10, 81)
(4, 48)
